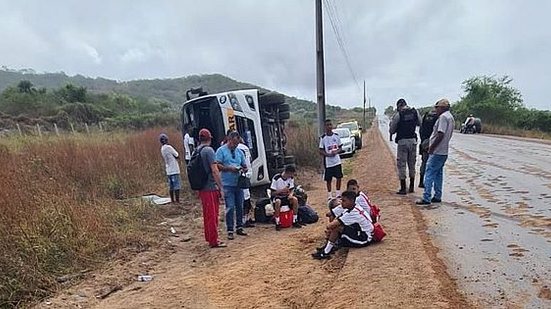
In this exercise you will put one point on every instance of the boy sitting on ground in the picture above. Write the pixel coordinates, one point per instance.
(353, 228)
(282, 194)
(363, 200)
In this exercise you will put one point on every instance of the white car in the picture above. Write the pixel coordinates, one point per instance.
(347, 140)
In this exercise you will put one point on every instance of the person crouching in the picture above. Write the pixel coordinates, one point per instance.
(353, 228)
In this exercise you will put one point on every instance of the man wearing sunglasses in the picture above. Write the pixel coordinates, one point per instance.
(231, 162)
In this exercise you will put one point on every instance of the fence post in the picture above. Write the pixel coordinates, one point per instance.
(38, 129)
(87, 129)
(56, 130)
(72, 127)
(19, 129)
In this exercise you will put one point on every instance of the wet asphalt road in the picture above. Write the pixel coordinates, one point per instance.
(494, 225)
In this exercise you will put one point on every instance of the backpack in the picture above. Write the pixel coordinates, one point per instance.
(374, 209)
(307, 215)
(260, 214)
(196, 172)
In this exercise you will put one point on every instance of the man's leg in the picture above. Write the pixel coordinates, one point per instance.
(430, 174)
(439, 177)
(332, 236)
(424, 158)
(239, 211)
(337, 173)
(412, 159)
(210, 201)
(401, 161)
(328, 177)
(293, 203)
(277, 210)
(229, 198)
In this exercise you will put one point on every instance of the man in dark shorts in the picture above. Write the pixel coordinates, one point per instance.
(282, 194)
(330, 147)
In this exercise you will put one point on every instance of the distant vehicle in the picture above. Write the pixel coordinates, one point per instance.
(347, 140)
(472, 128)
(356, 131)
(259, 118)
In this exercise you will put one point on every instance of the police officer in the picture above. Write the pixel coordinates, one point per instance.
(403, 124)
(427, 124)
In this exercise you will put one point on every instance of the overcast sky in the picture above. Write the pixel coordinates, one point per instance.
(420, 50)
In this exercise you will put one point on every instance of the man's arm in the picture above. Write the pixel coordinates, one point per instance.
(216, 175)
(394, 123)
(174, 152)
(333, 224)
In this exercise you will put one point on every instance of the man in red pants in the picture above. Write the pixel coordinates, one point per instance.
(212, 191)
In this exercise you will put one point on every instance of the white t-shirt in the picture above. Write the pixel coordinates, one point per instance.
(445, 124)
(278, 183)
(188, 140)
(338, 211)
(357, 215)
(171, 163)
(330, 143)
(363, 201)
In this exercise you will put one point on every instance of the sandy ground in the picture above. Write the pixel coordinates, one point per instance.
(270, 269)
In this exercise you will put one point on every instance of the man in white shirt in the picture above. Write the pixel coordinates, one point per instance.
(282, 194)
(189, 144)
(172, 168)
(438, 153)
(353, 228)
(247, 206)
(330, 147)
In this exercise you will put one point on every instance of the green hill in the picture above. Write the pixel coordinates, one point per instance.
(135, 104)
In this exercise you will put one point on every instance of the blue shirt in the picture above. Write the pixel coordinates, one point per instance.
(228, 157)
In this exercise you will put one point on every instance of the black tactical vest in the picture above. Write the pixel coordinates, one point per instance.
(406, 125)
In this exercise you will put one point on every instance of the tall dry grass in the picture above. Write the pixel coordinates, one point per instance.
(499, 130)
(61, 208)
(303, 143)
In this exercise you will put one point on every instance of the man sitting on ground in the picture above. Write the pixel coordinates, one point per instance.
(353, 228)
(335, 207)
(282, 194)
(361, 199)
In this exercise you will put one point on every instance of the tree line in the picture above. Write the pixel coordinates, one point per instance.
(26, 104)
(496, 103)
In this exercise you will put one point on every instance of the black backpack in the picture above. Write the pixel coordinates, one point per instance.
(196, 172)
(307, 214)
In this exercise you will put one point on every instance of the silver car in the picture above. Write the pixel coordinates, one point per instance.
(347, 140)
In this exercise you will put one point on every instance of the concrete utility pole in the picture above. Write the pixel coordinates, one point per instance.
(320, 70)
(363, 125)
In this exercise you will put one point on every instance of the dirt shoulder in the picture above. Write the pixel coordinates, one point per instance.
(270, 269)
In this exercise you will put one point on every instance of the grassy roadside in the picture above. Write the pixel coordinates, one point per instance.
(498, 130)
(64, 208)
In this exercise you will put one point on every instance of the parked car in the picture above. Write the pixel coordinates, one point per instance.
(347, 140)
(355, 130)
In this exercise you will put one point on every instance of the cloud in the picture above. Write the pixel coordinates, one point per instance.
(421, 50)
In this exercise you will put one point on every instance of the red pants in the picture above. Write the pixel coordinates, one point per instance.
(211, 206)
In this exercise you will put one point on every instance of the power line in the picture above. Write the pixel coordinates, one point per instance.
(334, 20)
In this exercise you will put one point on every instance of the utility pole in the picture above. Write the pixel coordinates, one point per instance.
(363, 125)
(320, 70)
(369, 107)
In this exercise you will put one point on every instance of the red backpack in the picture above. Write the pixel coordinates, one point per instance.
(378, 231)
(374, 209)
